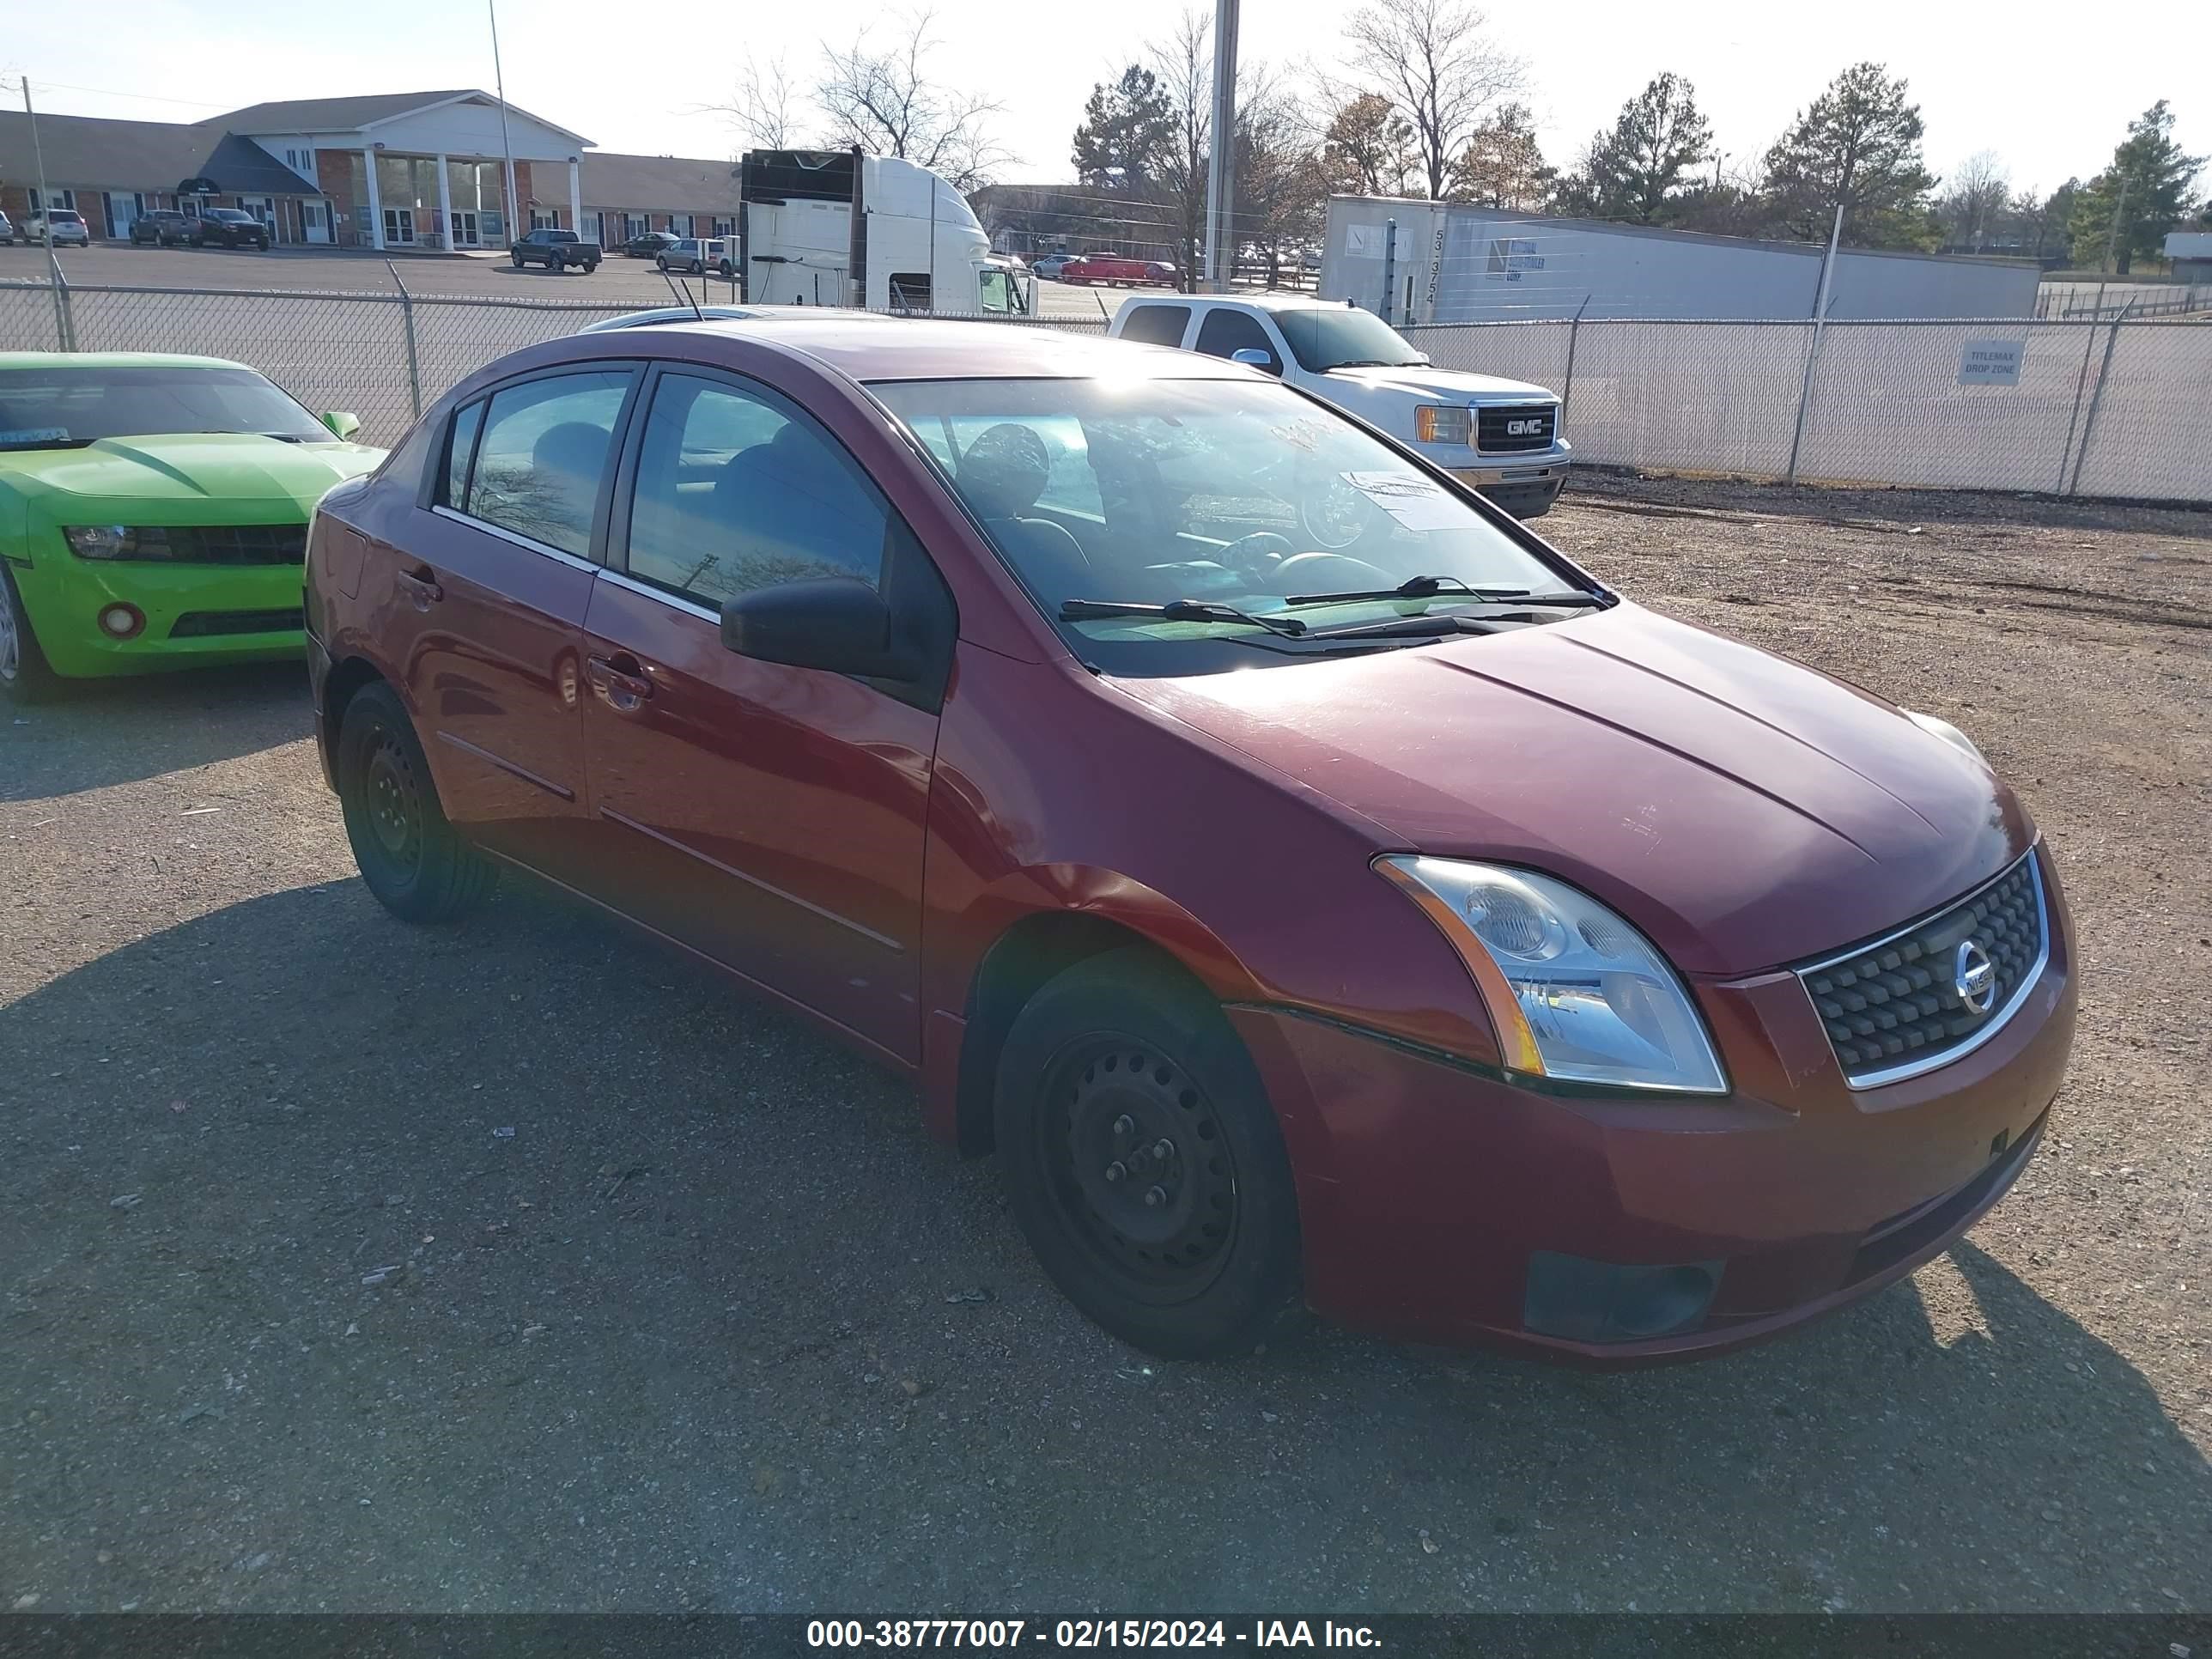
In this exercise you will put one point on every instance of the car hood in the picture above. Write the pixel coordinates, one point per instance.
(1442, 385)
(1743, 810)
(190, 467)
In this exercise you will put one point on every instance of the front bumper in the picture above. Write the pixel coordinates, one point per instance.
(225, 613)
(1439, 1203)
(1525, 490)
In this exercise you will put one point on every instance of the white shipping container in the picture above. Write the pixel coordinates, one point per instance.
(1449, 262)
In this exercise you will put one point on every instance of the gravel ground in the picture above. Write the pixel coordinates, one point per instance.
(344, 1265)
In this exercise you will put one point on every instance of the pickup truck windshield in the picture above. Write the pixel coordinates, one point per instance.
(68, 408)
(1340, 339)
(1239, 497)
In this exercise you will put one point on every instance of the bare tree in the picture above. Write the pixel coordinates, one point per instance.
(1435, 61)
(1974, 198)
(1183, 65)
(760, 107)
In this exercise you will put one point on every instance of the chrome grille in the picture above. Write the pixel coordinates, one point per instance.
(1514, 429)
(1892, 1007)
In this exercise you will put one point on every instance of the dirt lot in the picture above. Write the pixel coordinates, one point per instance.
(344, 1265)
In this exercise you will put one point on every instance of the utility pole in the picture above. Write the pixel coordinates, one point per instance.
(506, 144)
(1221, 166)
(46, 207)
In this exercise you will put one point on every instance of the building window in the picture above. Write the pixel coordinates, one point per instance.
(679, 224)
(544, 219)
(725, 227)
(633, 226)
(65, 200)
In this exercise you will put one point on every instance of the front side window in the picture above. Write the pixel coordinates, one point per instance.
(738, 490)
(66, 408)
(1246, 495)
(1225, 332)
(542, 459)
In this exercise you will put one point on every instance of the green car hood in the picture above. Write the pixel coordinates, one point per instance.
(188, 473)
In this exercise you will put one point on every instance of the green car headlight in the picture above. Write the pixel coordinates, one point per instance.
(116, 541)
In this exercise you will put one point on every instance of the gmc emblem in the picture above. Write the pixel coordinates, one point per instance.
(1533, 428)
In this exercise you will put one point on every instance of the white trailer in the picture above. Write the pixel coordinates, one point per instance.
(837, 228)
(1449, 262)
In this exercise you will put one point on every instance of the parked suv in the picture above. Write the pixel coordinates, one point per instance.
(649, 244)
(162, 228)
(229, 228)
(701, 254)
(556, 250)
(67, 229)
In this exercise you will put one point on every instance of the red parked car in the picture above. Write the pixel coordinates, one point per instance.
(1117, 270)
(1312, 883)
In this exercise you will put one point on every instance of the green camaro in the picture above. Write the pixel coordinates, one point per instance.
(153, 514)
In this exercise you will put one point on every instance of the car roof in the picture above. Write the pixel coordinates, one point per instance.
(1270, 300)
(865, 346)
(113, 360)
(657, 316)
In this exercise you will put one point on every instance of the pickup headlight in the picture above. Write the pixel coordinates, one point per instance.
(1443, 423)
(1576, 993)
(1950, 733)
(116, 541)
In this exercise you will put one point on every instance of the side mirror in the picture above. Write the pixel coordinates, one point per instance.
(1253, 356)
(837, 624)
(341, 424)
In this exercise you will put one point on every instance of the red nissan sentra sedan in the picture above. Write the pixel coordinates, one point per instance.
(1311, 883)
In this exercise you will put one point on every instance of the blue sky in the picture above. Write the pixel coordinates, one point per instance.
(2038, 84)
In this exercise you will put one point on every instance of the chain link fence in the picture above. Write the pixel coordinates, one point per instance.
(2093, 407)
(2106, 408)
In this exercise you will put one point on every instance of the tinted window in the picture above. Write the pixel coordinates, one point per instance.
(737, 490)
(48, 408)
(543, 456)
(1156, 324)
(1225, 332)
(1340, 336)
(459, 453)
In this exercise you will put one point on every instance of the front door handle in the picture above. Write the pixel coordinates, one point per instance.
(421, 585)
(619, 681)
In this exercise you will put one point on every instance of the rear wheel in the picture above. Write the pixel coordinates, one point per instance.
(410, 857)
(24, 674)
(1143, 1161)
(517, 257)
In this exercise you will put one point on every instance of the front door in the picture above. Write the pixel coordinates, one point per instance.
(771, 817)
(465, 229)
(315, 222)
(398, 227)
(489, 595)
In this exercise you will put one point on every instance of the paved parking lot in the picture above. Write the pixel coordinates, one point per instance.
(347, 1266)
(617, 280)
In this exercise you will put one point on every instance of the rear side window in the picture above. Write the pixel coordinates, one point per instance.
(542, 459)
(1156, 324)
(459, 453)
(1225, 332)
(738, 490)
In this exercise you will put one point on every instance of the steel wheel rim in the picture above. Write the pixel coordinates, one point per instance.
(392, 801)
(1138, 1168)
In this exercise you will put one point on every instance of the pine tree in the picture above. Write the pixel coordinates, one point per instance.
(1637, 170)
(1857, 147)
(2157, 178)
(1126, 127)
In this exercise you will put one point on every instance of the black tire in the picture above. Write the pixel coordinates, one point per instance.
(1191, 1252)
(410, 857)
(517, 257)
(25, 675)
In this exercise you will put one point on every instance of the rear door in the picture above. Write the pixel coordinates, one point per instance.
(484, 610)
(770, 817)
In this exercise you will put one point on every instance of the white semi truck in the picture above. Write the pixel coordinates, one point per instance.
(838, 228)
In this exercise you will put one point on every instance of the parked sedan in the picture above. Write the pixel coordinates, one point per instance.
(162, 228)
(1322, 889)
(1050, 265)
(650, 245)
(228, 227)
(153, 514)
(699, 255)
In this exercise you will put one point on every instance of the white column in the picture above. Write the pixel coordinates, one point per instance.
(576, 196)
(375, 201)
(445, 203)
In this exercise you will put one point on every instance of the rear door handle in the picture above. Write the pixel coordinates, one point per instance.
(421, 585)
(618, 680)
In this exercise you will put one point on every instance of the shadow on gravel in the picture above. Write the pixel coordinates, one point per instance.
(147, 725)
(520, 1265)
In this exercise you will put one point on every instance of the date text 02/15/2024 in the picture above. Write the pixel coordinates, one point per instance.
(1085, 1633)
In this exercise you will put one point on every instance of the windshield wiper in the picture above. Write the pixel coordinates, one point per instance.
(1181, 610)
(1430, 587)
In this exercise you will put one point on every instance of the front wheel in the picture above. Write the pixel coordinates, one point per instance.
(408, 855)
(517, 259)
(1143, 1161)
(25, 676)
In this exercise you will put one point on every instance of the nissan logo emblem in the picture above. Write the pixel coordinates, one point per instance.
(1974, 977)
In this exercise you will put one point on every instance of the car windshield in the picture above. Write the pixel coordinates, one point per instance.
(63, 216)
(1233, 494)
(58, 408)
(1338, 337)
(231, 217)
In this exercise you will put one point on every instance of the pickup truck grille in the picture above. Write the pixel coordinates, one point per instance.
(1515, 428)
(1892, 1008)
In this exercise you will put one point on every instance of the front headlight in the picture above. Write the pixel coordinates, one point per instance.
(116, 541)
(1441, 423)
(1576, 994)
(1950, 733)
